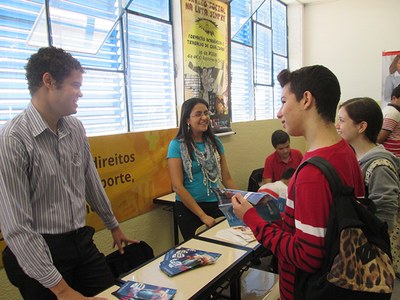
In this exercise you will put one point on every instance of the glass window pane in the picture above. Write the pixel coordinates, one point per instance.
(153, 8)
(279, 27)
(16, 20)
(263, 14)
(108, 57)
(241, 21)
(76, 25)
(264, 98)
(263, 54)
(259, 98)
(151, 74)
(102, 108)
(242, 83)
(280, 63)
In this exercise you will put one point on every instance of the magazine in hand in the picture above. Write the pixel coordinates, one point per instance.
(179, 260)
(138, 290)
(241, 235)
(264, 203)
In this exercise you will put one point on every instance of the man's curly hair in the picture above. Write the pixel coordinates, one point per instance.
(58, 63)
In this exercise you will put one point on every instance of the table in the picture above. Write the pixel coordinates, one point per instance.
(254, 278)
(169, 201)
(198, 283)
(210, 235)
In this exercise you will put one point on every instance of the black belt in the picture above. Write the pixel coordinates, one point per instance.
(68, 234)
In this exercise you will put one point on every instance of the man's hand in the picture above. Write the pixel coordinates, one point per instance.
(120, 239)
(64, 292)
(240, 205)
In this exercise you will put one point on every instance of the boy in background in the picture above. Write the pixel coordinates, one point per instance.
(283, 157)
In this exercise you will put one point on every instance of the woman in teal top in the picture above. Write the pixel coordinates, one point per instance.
(196, 163)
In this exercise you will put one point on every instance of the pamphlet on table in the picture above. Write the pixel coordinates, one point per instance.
(240, 235)
(182, 259)
(138, 290)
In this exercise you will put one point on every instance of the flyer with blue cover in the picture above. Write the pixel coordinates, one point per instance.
(264, 203)
(137, 290)
(179, 260)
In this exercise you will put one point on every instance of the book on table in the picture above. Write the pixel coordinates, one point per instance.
(138, 290)
(182, 259)
(265, 204)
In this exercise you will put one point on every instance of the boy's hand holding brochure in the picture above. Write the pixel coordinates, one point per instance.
(235, 203)
(239, 201)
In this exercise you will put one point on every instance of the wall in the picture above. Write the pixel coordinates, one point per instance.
(348, 36)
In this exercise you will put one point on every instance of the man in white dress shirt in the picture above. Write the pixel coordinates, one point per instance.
(47, 175)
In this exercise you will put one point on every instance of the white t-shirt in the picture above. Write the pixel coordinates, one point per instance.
(277, 187)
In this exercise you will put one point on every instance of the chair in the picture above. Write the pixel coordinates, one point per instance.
(134, 255)
(255, 179)
(204, 226)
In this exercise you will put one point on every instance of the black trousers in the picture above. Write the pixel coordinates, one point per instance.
(75, 256)
(188, 222)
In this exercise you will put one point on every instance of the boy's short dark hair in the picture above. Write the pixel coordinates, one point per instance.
(288, 173)
(279, 137)
(396, 92)
(320, 82)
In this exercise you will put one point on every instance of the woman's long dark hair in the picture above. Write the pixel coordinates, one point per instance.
(184, 132)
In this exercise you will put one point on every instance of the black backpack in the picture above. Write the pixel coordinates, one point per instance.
(358, 262)
(134, 255)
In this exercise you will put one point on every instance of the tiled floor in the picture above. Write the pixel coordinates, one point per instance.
(395, 294)
(396, 291)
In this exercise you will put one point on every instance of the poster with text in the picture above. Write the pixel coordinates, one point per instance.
(206, 50)
(390, 73)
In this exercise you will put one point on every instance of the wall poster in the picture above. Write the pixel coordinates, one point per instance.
(206, 54)
(390, 73)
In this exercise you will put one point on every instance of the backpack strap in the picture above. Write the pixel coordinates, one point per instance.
(328, 170)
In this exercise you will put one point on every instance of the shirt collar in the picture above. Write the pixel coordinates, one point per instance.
(39, 125)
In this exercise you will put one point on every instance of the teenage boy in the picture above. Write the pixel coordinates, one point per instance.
(46, 176)
(283, 157)
(309, 99)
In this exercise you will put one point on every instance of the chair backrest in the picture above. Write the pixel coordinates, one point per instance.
(204, 226)
(134, 255)
(254, 180)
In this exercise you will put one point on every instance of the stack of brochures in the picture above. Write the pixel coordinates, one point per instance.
(138, 290)
(179, 260)
(240, 235)
(264, 203)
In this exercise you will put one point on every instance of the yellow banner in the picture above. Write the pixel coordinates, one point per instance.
(133, 170)
(205, 51)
